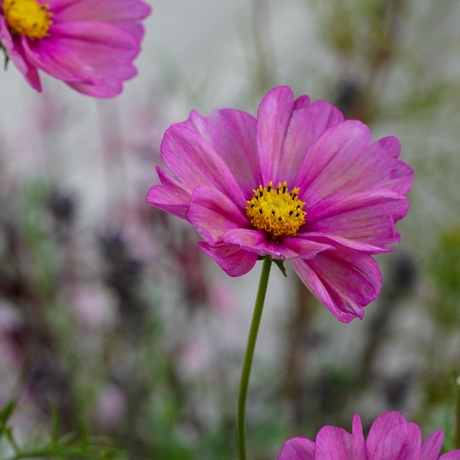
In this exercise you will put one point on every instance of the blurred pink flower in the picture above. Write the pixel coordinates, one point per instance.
(92, 307)
(88, 44)
(296, 183)
(391, 437)
(110, 407)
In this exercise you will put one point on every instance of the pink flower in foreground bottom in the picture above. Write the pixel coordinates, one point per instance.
(296, 183)
(391, 437)
(88, 44)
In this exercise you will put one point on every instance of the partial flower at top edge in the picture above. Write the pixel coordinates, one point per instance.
(88, 44)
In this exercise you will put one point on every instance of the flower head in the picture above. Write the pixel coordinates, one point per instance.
(391, 437)
(88, 44)
(296, 183)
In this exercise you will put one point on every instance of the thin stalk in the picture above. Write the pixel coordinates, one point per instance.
(250, 347)
(457, 412)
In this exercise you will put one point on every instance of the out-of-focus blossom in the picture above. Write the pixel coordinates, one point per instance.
(92, 308)
(110, 407)
(88, 44)
(391, 437)
(296, 183)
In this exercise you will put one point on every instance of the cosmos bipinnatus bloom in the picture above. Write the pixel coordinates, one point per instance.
(390, 437)
(88, 44)
(297, 183)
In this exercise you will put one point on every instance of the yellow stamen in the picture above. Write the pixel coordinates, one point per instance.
(27, 17)
(276, 210)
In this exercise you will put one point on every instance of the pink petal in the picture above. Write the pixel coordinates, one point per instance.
(392, 145)
(380, 427)
(273, 117)
(432, 446)
(284, 249)
(232, 135)
(93, 58)
(126, 14)
(400, 442)
(250, 239)
(344, 280)
(15, 51)
(196, 163)
(213, 214)
(171, 196)
(104, 46)
(286, 129)
(298, 449)
(454, 455)
(343, 161)
(367, 217)
(233, 260)
(334, 241)
(400, 175)
(358, 439)
(305, 126)
(334, 443)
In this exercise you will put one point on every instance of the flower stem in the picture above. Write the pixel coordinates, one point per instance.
(250, 347)
(457, 412)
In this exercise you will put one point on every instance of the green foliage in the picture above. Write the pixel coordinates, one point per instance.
(444, 268)
(56, 446)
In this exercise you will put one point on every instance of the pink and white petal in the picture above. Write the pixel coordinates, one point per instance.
(432, 446)
(213, 214)
(344, 280)
(273, 118)
(233, 260)
(306, 124)
(342, 161)
(400, 442)
(284, 249)
(196, 163)
(232, 134)
(380, 427)
(334, 443)
(367, 217)
(359, 443)
(298, 449)
(171, 196)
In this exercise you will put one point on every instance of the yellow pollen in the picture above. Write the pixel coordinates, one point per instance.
(276, 210)
(27, 17)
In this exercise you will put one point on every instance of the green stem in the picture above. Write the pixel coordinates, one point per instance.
(457, 411)
(250, 347)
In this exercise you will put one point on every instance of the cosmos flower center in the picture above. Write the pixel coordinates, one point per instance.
(27, 17)
(277, 211)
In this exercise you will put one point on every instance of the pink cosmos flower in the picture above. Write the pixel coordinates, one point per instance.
(88, 44)
(296, 183)
(391, 437)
